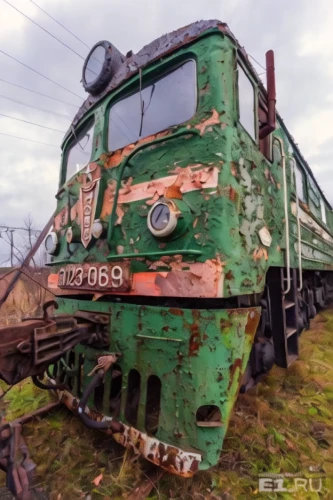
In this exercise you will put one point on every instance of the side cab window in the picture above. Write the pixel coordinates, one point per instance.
(253, 112)
(323, 211)
(300, 184)
(246, 103)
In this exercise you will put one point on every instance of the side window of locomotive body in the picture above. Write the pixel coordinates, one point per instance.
(323, 211)
(246, 102)
(79, 152)
(167, 102)
(300, 184)
(292, 170)
(277, 153)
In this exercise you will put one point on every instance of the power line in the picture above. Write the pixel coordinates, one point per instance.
(29, 140)
(263, 67)
(32, 123)
(64, 27)
(40, 74)
(41, 27)
(39, 93)
(36, 107)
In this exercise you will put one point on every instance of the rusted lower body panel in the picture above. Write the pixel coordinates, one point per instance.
(170, 458)
(175, 381)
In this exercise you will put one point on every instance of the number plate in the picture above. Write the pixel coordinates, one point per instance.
(97, 277)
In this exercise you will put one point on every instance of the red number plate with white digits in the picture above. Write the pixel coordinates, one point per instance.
(95, 277)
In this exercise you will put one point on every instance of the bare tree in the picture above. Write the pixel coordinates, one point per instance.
(21, 240)
(27, 259)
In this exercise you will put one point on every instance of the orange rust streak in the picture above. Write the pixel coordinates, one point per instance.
(173, 192)
(252, 322)
(190, 181)
(213, 120)
(144, 284)
(52, 280)
(260, 253)
(116, 158)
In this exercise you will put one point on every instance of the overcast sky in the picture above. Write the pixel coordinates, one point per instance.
(299, 31)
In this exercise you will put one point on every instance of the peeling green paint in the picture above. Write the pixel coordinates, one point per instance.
(199, 356)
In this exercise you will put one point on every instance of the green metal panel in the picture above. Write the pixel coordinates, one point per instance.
(198, 355)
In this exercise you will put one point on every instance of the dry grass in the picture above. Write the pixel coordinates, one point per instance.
(284, 424)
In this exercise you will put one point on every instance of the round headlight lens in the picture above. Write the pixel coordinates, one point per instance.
(162, 218)
(101, 64)
(51, 243)
(94, 64)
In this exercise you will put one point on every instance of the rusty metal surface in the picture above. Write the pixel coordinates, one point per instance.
(104, 363)
(175, 345)
(155, 50)
(19, 472)
(16, 362)
(170, 458)
(27, 348)
(14, 455)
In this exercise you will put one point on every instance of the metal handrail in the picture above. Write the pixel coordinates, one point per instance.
(286, 216)
(299, 288)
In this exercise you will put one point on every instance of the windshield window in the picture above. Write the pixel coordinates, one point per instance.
(80, 152)
(169, 101)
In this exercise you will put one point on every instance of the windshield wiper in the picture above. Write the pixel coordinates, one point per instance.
(78, 141)
(142, 103)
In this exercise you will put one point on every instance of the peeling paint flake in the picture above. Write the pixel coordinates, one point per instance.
(213, 120)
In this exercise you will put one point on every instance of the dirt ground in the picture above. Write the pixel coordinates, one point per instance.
(283, 425)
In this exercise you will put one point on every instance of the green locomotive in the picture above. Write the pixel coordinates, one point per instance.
(191, 245)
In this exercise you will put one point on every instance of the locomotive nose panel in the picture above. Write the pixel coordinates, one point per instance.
(111, 217)
(176, 380)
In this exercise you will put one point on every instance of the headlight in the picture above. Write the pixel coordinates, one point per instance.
(162, 218)
(100, 65)
(51, 243)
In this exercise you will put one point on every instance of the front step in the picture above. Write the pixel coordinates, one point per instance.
(285, 327)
